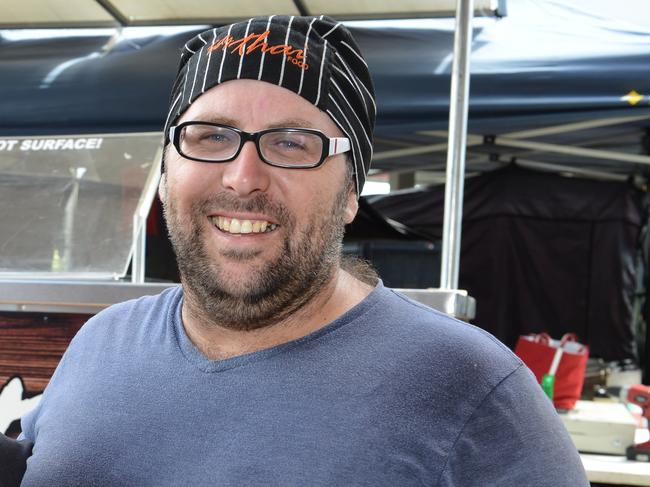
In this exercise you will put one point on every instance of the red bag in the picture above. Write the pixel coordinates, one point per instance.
(538, 350)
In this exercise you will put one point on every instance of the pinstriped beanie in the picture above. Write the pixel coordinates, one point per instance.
(315, 57)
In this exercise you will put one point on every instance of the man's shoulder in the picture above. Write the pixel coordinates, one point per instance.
(142, 303)
(438, 343)
(432, 328)
(129, 317)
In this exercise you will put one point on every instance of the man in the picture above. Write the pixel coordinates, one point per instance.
(271, 364)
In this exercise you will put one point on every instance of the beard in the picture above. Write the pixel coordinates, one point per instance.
(277, 288)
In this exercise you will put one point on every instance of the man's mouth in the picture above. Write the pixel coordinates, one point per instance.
(237, 226)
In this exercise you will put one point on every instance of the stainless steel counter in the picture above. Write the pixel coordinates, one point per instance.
(93, 296)
(70, 296)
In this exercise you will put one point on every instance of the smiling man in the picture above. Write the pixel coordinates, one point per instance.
(272, 364)
(257, 227)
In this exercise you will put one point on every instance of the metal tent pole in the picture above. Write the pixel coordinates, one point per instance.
(458, 103)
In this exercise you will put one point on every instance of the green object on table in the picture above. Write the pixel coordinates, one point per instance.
(548, 381)
(547, 385)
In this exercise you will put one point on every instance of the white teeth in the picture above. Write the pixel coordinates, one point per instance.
(236, 226)
(246, 226)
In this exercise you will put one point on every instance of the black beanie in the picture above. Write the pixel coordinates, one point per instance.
(315, 57)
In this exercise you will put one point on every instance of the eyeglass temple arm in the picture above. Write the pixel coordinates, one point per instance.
(339, 145)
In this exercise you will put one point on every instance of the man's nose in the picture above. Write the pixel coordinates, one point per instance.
(247, 173)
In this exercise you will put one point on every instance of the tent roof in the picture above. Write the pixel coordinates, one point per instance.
(544, 65)
(108, 13)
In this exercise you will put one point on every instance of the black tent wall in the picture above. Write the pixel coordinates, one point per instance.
(542, 252)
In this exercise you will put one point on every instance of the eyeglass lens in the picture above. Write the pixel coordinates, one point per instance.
(215, 143)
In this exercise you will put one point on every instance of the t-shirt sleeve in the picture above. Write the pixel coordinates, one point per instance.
(514, 438)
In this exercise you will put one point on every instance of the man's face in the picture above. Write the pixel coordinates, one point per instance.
(251, 280)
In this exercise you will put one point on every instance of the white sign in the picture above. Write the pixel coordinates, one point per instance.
(41, 144)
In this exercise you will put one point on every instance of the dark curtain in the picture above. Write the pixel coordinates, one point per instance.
(541, 252)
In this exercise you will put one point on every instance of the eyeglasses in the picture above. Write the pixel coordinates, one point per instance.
(293, 148)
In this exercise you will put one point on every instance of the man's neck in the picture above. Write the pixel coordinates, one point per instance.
(339, 295)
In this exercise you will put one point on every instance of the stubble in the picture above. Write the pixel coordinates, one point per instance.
(277, 288)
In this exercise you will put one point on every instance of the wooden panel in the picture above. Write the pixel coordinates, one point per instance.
(31, 345)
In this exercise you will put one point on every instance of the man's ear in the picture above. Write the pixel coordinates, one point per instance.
(351, 207)
(162, 188)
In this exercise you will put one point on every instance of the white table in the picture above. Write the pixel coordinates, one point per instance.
(596, 425)
(616, 470)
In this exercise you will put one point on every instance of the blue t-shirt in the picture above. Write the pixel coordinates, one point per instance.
(391, 393)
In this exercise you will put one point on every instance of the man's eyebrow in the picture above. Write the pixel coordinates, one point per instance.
(291, 123)
(217, 119)
(285, 123)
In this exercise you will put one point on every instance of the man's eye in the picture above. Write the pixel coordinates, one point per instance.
(288, 144)
(214, 138)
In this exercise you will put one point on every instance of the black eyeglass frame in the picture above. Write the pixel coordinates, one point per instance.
(176, 131)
